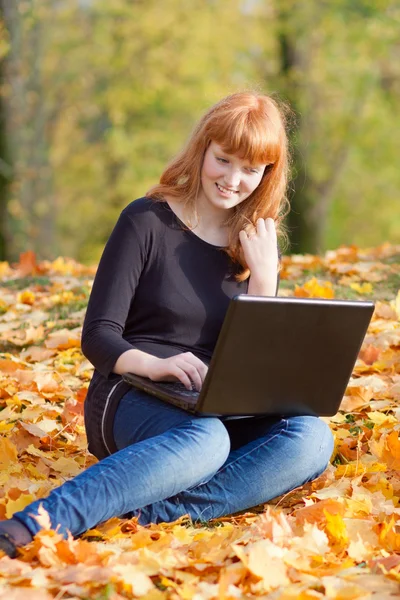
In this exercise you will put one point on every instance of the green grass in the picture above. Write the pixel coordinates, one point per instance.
(62, 312)
(384, 290)
(22, 283)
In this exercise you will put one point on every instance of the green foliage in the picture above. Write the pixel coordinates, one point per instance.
(111, 90)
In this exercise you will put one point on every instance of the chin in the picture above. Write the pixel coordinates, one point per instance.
(225, 204)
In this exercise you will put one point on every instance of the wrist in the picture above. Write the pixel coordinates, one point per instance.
(262, 285)
(135, 361)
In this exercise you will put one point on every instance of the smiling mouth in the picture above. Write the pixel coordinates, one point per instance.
(226, 190)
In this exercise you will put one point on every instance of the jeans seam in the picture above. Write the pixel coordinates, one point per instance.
(285, 428)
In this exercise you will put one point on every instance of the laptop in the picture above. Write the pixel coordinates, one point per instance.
(275, 356)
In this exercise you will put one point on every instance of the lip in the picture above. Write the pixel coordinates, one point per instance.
(225, 194)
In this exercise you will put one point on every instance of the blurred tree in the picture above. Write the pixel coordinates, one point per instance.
(333, 58)
(28, 103)
(5, 166)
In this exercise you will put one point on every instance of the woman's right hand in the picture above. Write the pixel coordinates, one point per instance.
(185, 367)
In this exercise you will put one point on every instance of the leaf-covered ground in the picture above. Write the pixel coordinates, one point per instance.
(338, 537)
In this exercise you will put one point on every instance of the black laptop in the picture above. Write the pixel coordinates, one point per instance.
(275, 356)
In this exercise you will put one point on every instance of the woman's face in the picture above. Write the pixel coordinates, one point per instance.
(226, 179)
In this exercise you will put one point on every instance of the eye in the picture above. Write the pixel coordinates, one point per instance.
(252, 170)
(222, 160)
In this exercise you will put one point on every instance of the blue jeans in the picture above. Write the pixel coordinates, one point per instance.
(171, 463)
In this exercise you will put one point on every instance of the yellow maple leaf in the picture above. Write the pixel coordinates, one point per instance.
(4, 268)
(67, 467)
(379, 418)
(336, 530)
(14, 506)
(26, 297)
(315, 289)
(363, 288)
(5, 427)
(389, 539)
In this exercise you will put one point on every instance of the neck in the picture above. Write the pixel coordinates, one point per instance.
(210, 217)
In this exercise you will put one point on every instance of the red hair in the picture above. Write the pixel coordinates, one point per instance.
(253, 127)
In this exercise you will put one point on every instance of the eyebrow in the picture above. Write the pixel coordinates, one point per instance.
(219, 150)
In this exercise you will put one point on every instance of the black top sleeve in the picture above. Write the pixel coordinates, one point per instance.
(113, 289)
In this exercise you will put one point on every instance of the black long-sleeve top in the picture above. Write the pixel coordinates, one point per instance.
(158, 288)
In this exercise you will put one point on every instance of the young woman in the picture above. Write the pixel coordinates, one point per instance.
(173, 261)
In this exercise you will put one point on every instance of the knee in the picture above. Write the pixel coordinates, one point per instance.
(315, 444)
(212, 440)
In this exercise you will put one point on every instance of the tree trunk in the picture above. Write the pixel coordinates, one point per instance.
(5, 173)
(296, 51)
(5, 159)
(311, 199)
(32, 219)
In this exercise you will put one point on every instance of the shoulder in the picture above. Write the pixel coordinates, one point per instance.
(145, 211)
(148, 219)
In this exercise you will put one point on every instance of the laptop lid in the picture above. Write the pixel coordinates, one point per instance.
(278, 355)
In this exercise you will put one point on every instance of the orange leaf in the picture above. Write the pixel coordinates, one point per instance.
(369, 354)
(316, 513)
(27, 263)
(81, 394)
(8, 452)
(388, 449)
(8, 366)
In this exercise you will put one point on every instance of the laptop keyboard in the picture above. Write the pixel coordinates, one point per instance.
(176, 387)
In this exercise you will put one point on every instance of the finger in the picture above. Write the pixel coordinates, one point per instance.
(261, 227)
(201, 367)
(270, 226)
(243, 236)
(193, 374)
(181, 375)
(203, 371)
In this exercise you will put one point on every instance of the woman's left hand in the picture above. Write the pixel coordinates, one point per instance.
(261, 252)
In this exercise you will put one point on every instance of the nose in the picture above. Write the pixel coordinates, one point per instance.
(232, 178)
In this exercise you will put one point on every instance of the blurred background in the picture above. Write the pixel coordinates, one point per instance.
(98, 95)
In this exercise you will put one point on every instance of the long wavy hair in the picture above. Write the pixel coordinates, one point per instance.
(253, 127)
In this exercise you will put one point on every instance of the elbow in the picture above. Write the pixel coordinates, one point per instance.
(85, 347)
(102, 346)
(89, 343)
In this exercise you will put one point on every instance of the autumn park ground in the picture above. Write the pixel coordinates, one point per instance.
(337, 537)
